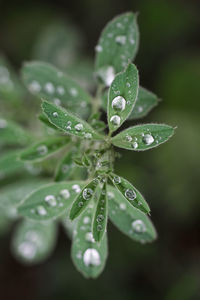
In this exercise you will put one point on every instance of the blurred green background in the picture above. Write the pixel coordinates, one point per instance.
(168, 176)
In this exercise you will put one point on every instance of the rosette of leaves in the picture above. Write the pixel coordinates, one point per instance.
(84, 206)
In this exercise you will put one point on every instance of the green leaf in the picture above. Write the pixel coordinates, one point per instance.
(50, 201)
(146, 101)
(12, 134)
(88, 256)
(122, 97)
(129, 219)
(33, 242)
(69, 123)
(65, 167)
(118, 44)
(9, 164)
(49, 83)
(100, 219)
(143, 137)
(43, 149)
(45, 121)
(130, 193)
(83, 199)
(12, 194)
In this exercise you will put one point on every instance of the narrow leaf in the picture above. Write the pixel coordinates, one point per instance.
(49, 83)
(12, 134)
(88, 256)
(122, 97)
(65, 167)
(118, 44)
(130, 193)
(50, 201)
(146, 101)
(100, 219)
(143, 137)
(33, 242)
(45, 121)
(129, 219)
(43, 149)
(69, 123)
(83, 199)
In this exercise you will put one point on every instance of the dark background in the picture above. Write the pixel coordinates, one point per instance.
(169, 65)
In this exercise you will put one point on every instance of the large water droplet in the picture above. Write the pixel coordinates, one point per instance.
(119, 103)
(27, 250)
(100, 218)
(79, 127)
(120, 39)
(115, 120)
(87, 193)
(91, 257)
(65, 193)
(51, 200)
(148, 139)
(116, 179)
(130, 194)
(41, 210)
(42, 149)
(138, 226)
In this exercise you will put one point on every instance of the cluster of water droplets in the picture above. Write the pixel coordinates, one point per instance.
(145, 138)
(138, 226)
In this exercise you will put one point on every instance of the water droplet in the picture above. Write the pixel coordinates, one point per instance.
(148, 139)
(140, 109)
(100, 218)
(34, 87)
(130, 194)
(68, 127)
(86, 220)
(41, 210)
(110, 195)
(60, 90)
(98, 48)
(132, 41)
(107, 74)
(79, 127)
(55, 114)
(128, 138)
(135, 145)
(80, 204)
(65, 193)
(119, 103)
(120, 39)
(122, 206)
(138, 226)
(51, 200)
(76, 188)
(117, 180)
(115, 120)
(3, 123)
(49, 88)
(89, 237)
(57, 102)
(128, 84)
(99, 227)
(79, 255)
(91, 257)
(87, 193)
(88, 135)
(73, 92)
(27, 250)
(42, 150)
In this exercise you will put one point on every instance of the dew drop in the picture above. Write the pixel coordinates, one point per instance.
(87, 193)
(135, 145)
(51, 200)
(110, 195)
(73, 92)
(128, 138)
(100, 218)
(148, 139)
(41, 210)
(80, 204)
(42, 150)
(119, 103)
(128, 84)
(79, 127)
(138, 226)
(89, 237)
(115, 120)
(76, 188)
(65, 193)
(116, 179)
(99, 48)
(60, 90)
(49, 88)
(57, 102)
(86, 220)
(55, 114)
(130, 194)
(27, 250)
(3, 123)
(34, 87)
(99, 227)
(91, 257)
(120, 39)
(122, 206)
(88, 135)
